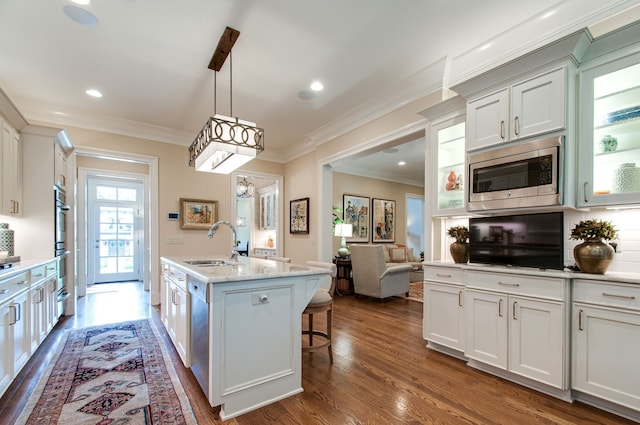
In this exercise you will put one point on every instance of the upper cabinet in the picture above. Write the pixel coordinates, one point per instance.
(11, 183)
(609, 155)
(526, 108)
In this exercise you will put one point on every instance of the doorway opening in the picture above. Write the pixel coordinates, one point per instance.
(415, 222)
(115, 229)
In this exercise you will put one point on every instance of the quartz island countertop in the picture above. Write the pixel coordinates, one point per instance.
(246, 268)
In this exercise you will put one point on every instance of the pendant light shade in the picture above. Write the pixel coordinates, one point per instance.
(245, 189)
(225, 143)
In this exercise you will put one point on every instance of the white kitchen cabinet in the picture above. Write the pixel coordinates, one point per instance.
(38, 316)
(176, 310)
(11, 170)
(21, 331)
(443, 308)
(519, 324)
(609, 149)
(526, 108)
(6, 349)
(606, 342)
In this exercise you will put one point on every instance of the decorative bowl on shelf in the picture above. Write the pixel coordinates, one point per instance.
(622, 115)
(608, 143)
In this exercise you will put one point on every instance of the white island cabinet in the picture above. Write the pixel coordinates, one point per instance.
(245, 325)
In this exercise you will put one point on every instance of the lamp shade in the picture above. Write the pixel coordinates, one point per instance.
(344, 230)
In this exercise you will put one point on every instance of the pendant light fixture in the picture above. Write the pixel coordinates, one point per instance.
(225, 143)
(245, 189)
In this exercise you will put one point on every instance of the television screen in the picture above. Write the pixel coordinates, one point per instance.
(528, 240)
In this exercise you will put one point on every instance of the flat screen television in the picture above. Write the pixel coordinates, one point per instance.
(527, 240)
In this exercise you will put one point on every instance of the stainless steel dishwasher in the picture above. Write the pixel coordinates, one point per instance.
(199, 333)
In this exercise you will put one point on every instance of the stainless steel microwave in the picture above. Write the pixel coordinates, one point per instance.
(516, 176)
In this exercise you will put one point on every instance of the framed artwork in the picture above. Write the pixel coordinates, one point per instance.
(299, 216)
(356, 212)
(197, 213)
(383, 221)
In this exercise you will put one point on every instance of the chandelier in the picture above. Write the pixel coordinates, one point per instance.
(244, 189)
(225, 143)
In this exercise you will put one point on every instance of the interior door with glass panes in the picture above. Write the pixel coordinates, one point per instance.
(114, 230)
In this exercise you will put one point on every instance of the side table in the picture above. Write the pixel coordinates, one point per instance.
(344, 281)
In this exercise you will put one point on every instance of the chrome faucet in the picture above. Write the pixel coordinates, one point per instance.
(234, 249)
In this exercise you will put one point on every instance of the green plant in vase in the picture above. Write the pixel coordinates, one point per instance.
(460, 248)
(593, 255)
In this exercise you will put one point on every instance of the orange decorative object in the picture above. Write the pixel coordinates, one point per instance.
(451, 181)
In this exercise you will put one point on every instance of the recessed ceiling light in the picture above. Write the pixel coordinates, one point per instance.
(82, 2)
(316, 86)
(93, 93)
(402, 163)
(80, 16)
(390, 150)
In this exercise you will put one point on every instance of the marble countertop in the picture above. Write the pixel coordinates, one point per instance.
(246, 268)
(620, 277)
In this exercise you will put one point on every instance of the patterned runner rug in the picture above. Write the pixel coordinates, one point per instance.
(111, 374)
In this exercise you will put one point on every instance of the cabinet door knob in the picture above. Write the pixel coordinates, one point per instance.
(264, 298)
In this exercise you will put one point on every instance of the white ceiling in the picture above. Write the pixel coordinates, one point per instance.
(150, 57)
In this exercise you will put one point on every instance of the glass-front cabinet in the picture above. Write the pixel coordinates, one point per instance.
(450, 171)
(609, 168)
(445, 173)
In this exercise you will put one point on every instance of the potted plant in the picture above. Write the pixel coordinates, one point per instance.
(460, 248)
(593, 255)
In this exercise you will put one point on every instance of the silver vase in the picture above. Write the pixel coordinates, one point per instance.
(593, 256)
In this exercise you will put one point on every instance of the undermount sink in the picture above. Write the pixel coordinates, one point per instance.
(207, 263)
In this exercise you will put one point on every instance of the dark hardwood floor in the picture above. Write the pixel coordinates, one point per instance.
(382, 373)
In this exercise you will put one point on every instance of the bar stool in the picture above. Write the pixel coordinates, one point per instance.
(321, 302)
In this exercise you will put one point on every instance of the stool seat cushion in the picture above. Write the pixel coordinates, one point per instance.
(320, 297)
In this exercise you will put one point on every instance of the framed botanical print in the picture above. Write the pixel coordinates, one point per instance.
(356, 212)
(197, 213)
(383, 220)
(299, 216)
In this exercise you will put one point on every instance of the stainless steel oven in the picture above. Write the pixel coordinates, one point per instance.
(516, 176)
(60, 245)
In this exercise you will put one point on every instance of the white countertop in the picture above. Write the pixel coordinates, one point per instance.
(247, 268)
(621, 277)
(22, 266)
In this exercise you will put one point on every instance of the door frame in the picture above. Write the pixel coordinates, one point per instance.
(151, 258)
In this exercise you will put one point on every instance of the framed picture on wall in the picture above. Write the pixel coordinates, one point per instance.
(197, 213)
(299, 216)
(356, 212)
(383, 221)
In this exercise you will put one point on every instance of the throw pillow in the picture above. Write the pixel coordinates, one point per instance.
(385, 252)
(398, 255)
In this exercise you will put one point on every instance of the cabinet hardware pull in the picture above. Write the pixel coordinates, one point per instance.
(460, 298)
(516, 123)
(622, 297)
(443, 275)
(502, 129)
(584, 187)
(22, 282)
(173, 297)
(580, 320)
(508, 284)
(15, 317)
(500, 307)
(19, 310)
(264, 298)
(514, 310)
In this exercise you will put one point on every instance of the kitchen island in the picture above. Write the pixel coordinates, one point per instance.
(237, 324)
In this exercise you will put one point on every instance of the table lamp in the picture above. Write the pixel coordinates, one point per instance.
(344, 230)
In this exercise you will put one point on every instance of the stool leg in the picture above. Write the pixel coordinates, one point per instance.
(310, 329)
(329, 314)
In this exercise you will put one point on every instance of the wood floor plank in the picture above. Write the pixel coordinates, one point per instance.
(382, 374)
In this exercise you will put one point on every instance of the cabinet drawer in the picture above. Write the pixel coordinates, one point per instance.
(607, 294)
(12, 286)
(38, 273)
(535, 286)
(452, 275)
(178, 277)
(51, 269)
